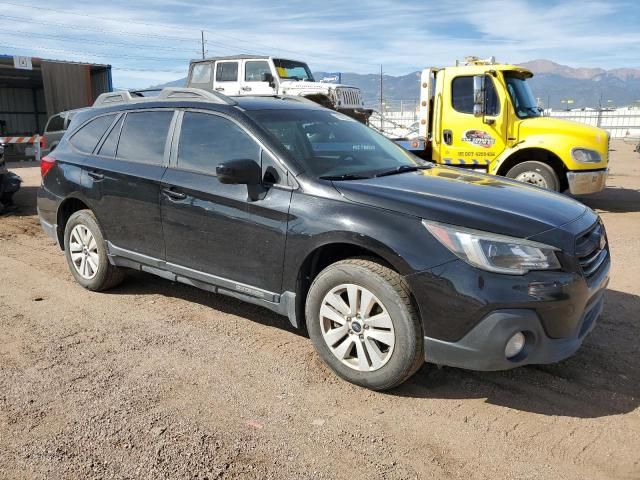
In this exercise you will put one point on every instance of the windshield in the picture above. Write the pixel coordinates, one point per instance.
(292, 70)
(330, 144)
(522, 97)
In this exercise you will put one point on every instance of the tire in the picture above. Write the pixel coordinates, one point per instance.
(100, 274)
(384, 292)
(536, 173)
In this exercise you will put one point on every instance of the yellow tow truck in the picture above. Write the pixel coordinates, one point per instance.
(483, 116)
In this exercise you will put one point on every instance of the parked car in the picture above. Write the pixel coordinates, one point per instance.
(386, 259)
(55, 128)
(264, 75)
(9, 184)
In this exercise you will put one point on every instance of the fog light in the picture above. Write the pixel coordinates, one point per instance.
(514, 345)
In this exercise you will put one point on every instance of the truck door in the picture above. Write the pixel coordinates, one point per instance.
(226, 79)
(468, 140)
(254, 78)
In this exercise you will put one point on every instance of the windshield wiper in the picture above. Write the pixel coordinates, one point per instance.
(403, 169)
(346, 176)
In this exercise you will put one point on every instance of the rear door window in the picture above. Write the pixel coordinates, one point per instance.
(88, 136)
(143, 137)
(55, 124)
(227, 72)
(208, 140)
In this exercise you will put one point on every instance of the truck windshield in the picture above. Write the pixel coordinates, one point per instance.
(522, 97)
(333, 146)
(292, 70)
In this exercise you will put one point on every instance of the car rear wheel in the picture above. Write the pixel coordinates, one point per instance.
(536, 173)
(363, 324)
(86, 253)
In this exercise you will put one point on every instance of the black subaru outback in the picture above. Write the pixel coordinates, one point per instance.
(387, 260)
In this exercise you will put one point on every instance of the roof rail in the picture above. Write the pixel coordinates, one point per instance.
(169, 93)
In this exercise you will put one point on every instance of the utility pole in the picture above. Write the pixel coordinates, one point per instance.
(202, 42)
(381, 102)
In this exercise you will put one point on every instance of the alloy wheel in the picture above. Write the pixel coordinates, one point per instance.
(357, 327)
(84, 252)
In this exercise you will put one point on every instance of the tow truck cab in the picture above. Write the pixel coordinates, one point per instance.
(483, 115)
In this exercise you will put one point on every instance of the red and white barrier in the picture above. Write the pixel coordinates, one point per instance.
(36, 140)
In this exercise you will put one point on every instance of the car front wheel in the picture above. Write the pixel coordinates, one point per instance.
(363, 324)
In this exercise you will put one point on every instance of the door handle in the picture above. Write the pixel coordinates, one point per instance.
(246, 89)
(96, 175)
(447, 136)
(173, 194)
(219, 89)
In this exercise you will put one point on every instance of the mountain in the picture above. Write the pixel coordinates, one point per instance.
(552, 83)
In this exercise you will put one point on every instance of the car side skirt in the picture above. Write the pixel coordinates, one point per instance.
(281, 303)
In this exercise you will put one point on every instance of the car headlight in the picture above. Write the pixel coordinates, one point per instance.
(493, 252)
(583, 155)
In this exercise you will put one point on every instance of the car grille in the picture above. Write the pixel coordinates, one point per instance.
(591, 249)
(350, 97)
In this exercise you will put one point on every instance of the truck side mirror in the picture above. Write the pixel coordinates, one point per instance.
(268, 77)
(478, 95)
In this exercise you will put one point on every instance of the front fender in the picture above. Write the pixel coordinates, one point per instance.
(554, 144)
(317, 222)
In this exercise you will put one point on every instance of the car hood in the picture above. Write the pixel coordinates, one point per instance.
(470, 199)
(300, 85)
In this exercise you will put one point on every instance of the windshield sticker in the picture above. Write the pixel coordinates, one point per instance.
(479, 138)
(342, 147)
(343, 117)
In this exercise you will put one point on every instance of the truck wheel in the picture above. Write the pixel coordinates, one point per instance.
(536, 173)
(86, 253)
(363, 324)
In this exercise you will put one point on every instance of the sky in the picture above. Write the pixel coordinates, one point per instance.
(149, 42)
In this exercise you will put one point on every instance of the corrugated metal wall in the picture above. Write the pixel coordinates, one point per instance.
(66, 85)
(18, 112)
(99, 82)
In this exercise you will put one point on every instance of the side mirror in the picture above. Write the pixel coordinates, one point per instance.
(268, 77)
(478, 96)
(243, 172)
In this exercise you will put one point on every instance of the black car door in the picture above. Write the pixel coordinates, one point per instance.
(212, 232)
(123, 181)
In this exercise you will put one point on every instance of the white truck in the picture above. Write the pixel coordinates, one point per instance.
(264, 75)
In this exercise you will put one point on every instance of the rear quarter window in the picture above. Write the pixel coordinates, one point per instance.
(201, 73)
(55, 124)
(88, 136)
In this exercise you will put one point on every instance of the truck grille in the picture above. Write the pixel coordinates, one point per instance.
(350, 97)
(591, 249)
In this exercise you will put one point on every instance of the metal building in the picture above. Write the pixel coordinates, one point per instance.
(32, 89)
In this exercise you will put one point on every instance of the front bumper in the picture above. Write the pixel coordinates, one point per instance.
(582, 183)
(483, 347)
(468, 315)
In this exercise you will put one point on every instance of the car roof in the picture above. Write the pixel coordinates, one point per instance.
(244, 103)
(243, 56)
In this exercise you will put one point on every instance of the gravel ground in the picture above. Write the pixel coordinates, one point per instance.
(160, 380)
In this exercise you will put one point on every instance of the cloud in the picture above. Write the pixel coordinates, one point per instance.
(148, 41)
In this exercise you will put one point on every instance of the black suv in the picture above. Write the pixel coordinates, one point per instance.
(387, 260)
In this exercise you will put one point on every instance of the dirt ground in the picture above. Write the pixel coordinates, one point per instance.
(160, 380)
